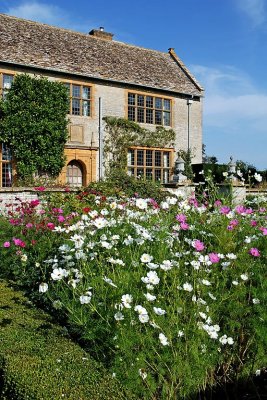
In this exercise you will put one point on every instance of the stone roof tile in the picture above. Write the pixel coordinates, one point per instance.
(39, 45)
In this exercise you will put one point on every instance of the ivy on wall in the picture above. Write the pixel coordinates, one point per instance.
(122, 134)
(33, 123)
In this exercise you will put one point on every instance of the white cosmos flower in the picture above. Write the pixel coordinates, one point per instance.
(140, 309)
(150, 297)
(163, 339)
(85, 299)
(146, 258)
(59, 273)
(100, 223)
(93, 214)
(180, 333)
(244, 277)
(143, 318)
(43, 287)
(203, 315)
(166, 265)
(141, 204)
(187, 287)
(159, 311)
(255, 301)
(151, 278)
(151, 265)
(258, 177)
(126, 300)
(119, 316)
(235, 283)
(164, 205)
(205, 282)
(231, 256)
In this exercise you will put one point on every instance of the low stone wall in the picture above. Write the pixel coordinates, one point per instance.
(10, 198)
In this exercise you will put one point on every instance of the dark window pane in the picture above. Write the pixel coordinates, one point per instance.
(76, 90)
(75, 107)
(149, 101)
(167, 104)
(158, 117)
(149, 158)
(131, 113)
(149, 116)
(140, 101)
(166, 159)
(140, 157)
(157, 175)
(158, 158)
(158, 103)
(131, 99)
(6, 153)
(140, 115)
(166, 118)
(6, 174)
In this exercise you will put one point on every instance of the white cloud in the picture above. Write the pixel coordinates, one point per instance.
(235, 117)
(52, 15)
(255, 11)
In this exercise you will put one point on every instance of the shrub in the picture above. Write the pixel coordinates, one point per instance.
(38, 360)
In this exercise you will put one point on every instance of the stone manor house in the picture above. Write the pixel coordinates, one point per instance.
(105, 78)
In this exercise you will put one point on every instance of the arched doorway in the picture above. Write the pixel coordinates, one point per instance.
(74, 175)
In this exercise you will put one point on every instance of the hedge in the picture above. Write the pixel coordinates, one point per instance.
(39, 362)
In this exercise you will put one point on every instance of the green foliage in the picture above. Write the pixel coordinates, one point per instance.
(122, 134)
(210, 301)
(119, 183)
(39, 361)
(34, 124)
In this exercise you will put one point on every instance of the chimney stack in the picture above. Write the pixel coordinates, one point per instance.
(101, 34)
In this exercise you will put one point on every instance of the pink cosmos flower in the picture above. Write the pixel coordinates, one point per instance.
(181, 217)
(184, 226)
(253, 222)
(19, 242)
(6, 244)
(264, 231)
(217, 203)
(60, 218)
(50, 225)
(40, 188)
(240, 209)
(254, 252)
(198, 245)
(29, 225)
(214, 258)
(225, 210)
(34, 203)
(234, 222)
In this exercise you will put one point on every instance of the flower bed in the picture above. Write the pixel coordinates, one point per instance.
(170, 296)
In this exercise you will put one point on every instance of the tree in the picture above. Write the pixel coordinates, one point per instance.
(33, 123)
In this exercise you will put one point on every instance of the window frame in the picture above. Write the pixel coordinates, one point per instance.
(145, 109)
(82, 85)
(9, 162)
(149, 166)
(2, 88)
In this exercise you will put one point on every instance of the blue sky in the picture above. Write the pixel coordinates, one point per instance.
(222, 42)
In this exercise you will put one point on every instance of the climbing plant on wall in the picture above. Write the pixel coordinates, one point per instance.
(122, 134)
(33, 123)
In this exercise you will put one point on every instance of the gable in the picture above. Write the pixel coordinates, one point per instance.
(37, 45)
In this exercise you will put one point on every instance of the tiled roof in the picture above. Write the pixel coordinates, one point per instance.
(39, 45)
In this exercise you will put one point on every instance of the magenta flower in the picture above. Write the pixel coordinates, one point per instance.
(253, 222)
(29, 225)
(254, 252)
(225, 210)
(40, 188)
(214, 258)
(34, 203)
(234, 222)
(198, 245)
(264, 231)
(181, 217)
(184, 226)
(50, 225)
(217, 203)
(6, 244)
(60, 218)
(240, 209)
(19, 242)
